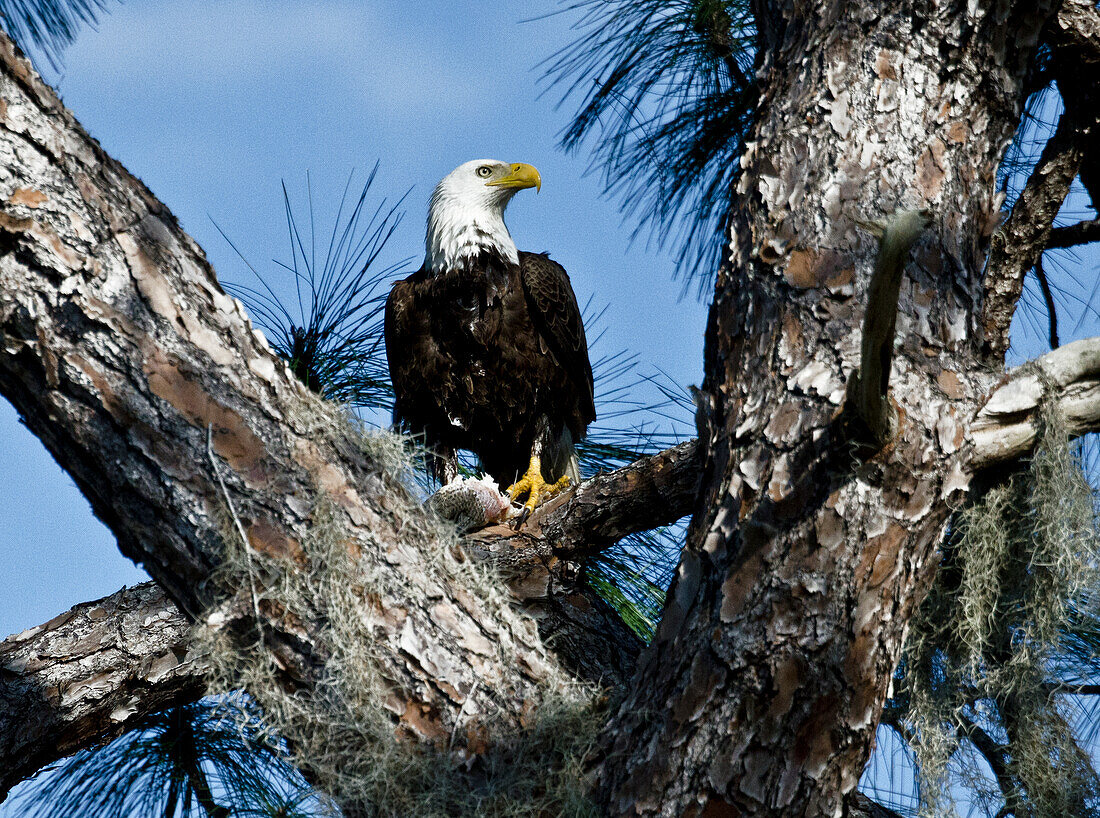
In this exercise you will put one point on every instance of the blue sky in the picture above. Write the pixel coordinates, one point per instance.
(212, 104)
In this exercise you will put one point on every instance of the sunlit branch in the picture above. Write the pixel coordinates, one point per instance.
(1006, 427)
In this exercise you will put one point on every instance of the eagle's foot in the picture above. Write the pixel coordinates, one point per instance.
(536, 489)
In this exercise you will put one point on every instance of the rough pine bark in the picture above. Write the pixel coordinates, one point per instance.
(807, 554)
(91, 674)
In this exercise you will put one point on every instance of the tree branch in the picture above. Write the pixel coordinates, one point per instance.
(122, 658)
(1075, 43)
(1048, 299)
(1005, 428)
(1074, 35)
(122, 353)
(651, 492)
(996, 756)
(1017, 246)
(542, 561)
(1074, 234)
(125, 657)
(90, 675)
(1073, 690)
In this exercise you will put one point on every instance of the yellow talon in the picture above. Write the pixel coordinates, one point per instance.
(535, 488)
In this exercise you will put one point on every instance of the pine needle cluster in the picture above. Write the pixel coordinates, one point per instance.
(667, 92)
(210, 759)
(330, 334)
(48, 25)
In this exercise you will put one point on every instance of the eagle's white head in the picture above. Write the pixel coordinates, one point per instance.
(466, 212)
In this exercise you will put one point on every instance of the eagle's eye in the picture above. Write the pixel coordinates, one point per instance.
(484, 171)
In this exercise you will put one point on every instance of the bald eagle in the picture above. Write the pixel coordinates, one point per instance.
(485, 343)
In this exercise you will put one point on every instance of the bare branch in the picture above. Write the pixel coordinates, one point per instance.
(1017, 245)
(997, 756)
(1005, 427)
(1074, 234)
(653, 491)
(1067, 689)
(1074, 35)
(90, 675)
(541, 562)
(122, 658)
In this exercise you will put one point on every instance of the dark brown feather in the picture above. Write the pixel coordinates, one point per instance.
(490, 359)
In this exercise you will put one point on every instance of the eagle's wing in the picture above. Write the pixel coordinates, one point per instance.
(406, 332)
(553, 309)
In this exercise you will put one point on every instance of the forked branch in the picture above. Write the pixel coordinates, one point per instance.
(1017, 246)
(98, 670)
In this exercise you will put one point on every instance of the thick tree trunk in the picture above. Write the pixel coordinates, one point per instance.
(808, 554)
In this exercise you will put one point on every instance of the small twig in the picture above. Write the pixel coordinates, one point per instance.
(868, 389)
(1075, 690)
(1048, 296)
(237, 524)
(462, 712)
(995, 755)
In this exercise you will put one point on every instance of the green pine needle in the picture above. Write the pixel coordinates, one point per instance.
(209, 759)
(48, 25)
(332, 338)
(666, 89)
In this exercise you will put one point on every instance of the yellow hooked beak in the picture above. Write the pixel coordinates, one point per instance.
(522, 175)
